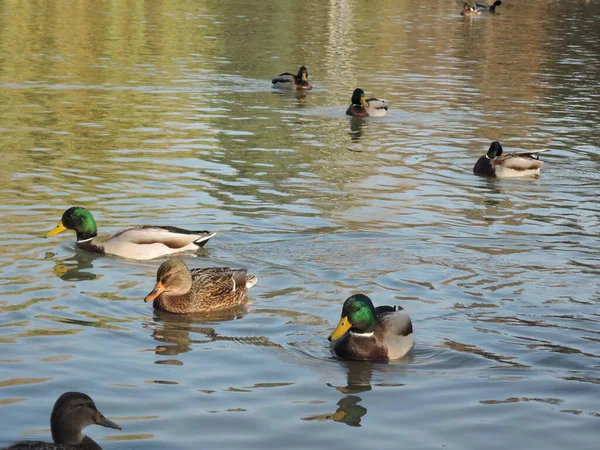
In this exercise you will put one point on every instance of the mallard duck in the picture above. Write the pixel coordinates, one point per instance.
(72, 412)
(517, 164)
(290, 81)
(487, 8)
(140, 242)
(366, 107)
(368, 333)
(181, 290)
(469, 10)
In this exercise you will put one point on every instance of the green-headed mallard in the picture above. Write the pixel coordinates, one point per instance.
(290, 81)
(368, 333)
(181, 290)
(141, 242)
(366, 107)
(517, 164)
(72, 412)
(487, 8)
(469, 10)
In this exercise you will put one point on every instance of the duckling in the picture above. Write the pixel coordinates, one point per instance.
(469, 10)
(517, 164)
(366, 107)
(290, 81)
(139, 242)
(72, 412)
(368, 333)
(181, 290)
(487, 8)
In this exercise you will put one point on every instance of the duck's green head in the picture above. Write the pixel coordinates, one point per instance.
(358, 97)
(78, 219)
(495, 150)
(303, 73)
(358, 315)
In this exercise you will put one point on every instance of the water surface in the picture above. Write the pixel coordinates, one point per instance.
(162, 113)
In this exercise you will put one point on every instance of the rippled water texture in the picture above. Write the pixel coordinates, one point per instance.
(161, 112)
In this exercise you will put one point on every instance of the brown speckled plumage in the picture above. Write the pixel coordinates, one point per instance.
(183, 291)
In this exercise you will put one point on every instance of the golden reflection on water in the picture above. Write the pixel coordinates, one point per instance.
(163, 110)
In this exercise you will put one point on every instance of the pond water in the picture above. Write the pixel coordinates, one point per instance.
(162, 112)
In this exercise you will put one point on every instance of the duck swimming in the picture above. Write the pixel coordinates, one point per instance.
(72, 412)
(366, 107)
(487, 8)
(469, 10)
(181, 290)
(368, 333)
(290, 81)
(139, 242)
(516, 164)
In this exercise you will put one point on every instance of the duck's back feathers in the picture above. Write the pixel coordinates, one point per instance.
(377, 107)
(86, 444)
(284, 81)
(398, 334)
(231, 279)
(147, 242)
(172, 237)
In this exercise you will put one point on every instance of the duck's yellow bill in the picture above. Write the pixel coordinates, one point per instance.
(364, 102)
(341, 329)
(57, 229)
(304, 76)
(158, 289)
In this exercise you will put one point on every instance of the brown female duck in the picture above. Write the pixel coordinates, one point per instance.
(181, 290)
(72, 412)
(368, 333)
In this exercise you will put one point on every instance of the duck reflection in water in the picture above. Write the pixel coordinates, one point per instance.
(349, 411)
(300, 94)
(73, 267)
(356, 128)
(174, 331)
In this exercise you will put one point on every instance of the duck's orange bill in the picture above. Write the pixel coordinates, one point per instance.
(341, 329)
(158, 289)
(57, 229)
(304, 76)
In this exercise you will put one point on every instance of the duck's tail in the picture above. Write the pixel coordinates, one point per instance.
(203, 238)
(250, 281)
